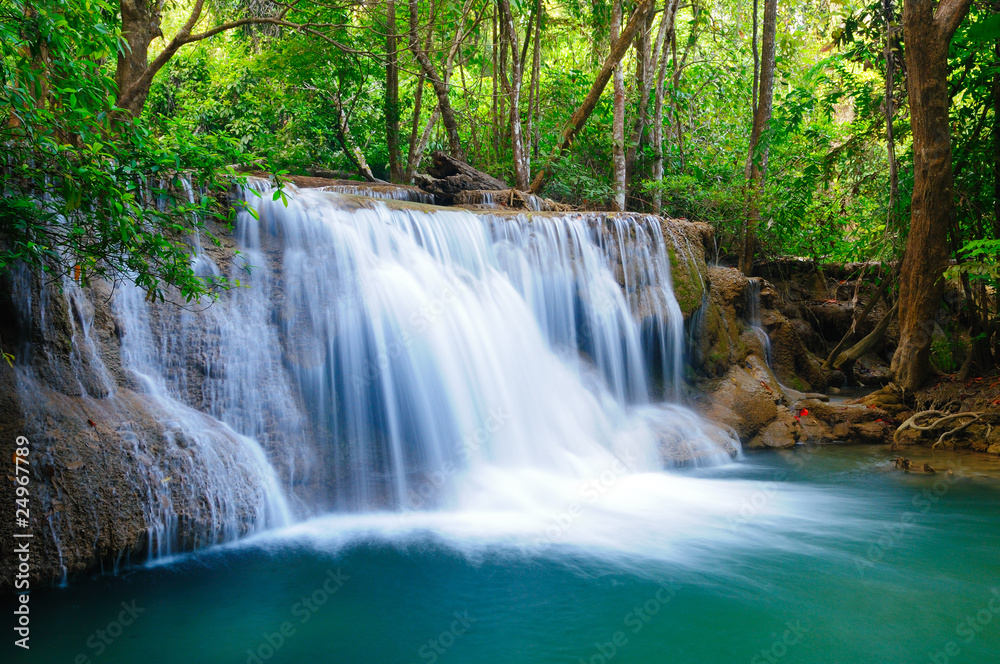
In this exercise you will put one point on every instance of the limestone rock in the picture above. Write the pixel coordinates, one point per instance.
(743, 401)
(783, 432)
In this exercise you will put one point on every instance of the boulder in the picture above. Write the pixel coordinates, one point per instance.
(856, 423)
(783, 432)
(744, 400)
(791, 360)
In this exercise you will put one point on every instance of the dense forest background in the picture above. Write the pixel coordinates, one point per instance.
(786, 126)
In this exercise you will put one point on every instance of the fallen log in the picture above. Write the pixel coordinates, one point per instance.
(447, 177)
(845, 361)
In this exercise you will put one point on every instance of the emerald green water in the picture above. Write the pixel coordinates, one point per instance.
(824, 556)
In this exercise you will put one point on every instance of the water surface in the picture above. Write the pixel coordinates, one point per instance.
(816, 555)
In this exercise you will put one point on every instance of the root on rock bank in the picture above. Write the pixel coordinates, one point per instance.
(939, 420)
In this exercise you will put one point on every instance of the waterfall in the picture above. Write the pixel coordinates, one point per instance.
(377, 355)
(445, 343)
(753, 315)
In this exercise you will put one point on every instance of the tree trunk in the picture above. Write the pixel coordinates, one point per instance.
(996, 141)
(666, 33)
(350, 148)
(890, 113)
(412, 157)
(648, 52)
(845, 361)
(674, 106)
(495, 106)
(618, 123)
(580, 116)
(392, 95)
(140, 26)
(439, 85)
(849, 336)
(756, 167)
(421, 143)
(536, 68)
(927, 35)
(514, 91)
(756, 57)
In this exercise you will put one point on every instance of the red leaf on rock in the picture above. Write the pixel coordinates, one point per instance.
(804, 412)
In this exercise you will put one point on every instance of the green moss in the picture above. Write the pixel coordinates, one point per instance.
(688, 288)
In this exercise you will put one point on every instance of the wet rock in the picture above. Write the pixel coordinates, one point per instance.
(743, 401)
(783, 432)
(792, 361)
(902, 463)
(826, 423)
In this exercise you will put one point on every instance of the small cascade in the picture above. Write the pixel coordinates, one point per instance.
(505, 199)
(479, 198)
(753, 315)
(695, 330)
(184, 477)
(389, 192)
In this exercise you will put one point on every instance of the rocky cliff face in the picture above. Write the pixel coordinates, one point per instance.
(118, 467)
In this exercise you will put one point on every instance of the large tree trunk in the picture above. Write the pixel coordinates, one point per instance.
(392, 95)
(927, 35)
(618, 122)
(514, 91)
(140, 26)
(756, 167)
(582, 113)
(439, 85)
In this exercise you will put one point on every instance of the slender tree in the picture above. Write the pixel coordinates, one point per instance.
(582, 113)
(392, 94)
(618, 122)
(513, 89)
(890, 113)
(666, 34)
(756, 166)
(437, 82)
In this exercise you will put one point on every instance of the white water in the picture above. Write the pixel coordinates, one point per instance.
(455, 358)
(197, 481)
(753, 315)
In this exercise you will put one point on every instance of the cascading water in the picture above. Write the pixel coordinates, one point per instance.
(392, 193)
(753, 315)
(430, 343)
(390, 356)
(195, 481)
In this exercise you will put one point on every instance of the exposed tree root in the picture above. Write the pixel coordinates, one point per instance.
(941, 422)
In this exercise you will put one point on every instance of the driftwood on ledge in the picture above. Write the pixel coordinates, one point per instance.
(447, 177)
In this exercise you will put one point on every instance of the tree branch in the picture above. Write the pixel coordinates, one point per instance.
(949, 15)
